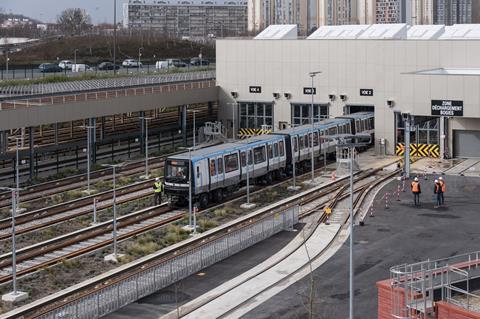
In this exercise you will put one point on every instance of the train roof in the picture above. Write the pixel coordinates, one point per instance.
(323, 124)
(225, 148)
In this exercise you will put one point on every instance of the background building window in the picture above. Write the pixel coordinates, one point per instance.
(424, 130)
(254, 115)
(301, 113)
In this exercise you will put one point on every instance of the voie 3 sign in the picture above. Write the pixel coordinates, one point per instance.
(447, 108)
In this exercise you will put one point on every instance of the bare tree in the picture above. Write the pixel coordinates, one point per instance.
(74, 21)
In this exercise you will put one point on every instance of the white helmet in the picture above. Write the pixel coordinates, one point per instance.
(157, 179)
(440, 178)
(416, 179)
(436, 181)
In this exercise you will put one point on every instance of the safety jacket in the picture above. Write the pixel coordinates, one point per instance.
(415, 187)
(442, 185)
(158, 187)
(438, 188)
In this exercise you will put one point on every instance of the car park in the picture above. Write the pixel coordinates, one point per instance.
(65, 64)
(49, 68)
(131, 63)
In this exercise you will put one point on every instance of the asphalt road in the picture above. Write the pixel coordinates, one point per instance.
(401, 234)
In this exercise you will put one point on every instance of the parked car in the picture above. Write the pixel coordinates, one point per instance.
(131, 63)
(65, 64)
(49, 68)
(196, 61)
(177, 63)
(81, 68)
(107, 66)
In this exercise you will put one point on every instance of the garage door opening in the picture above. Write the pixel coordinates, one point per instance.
(349, 109)
(466, 143)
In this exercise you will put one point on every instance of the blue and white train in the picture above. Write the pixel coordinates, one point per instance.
(222, 169)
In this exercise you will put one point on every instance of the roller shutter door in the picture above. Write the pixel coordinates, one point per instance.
(466, 143)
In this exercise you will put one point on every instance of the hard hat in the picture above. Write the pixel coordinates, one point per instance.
(416, 179)
(157, 179)
(440, 178)
(436, 181)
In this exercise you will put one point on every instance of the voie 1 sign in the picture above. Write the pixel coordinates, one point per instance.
(447, 108)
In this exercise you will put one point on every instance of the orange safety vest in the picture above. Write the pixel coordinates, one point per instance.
(442, 184)
(415, 187)
(437, 188)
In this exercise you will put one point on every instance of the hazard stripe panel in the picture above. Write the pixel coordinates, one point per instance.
(247, 132)
(419, 150)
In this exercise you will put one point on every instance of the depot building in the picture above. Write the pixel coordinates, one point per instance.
(427, 73)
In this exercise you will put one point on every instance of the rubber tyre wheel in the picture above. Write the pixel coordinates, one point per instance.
(203, 201)
(218, 196)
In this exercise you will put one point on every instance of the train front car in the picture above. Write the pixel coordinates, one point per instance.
(176, 179)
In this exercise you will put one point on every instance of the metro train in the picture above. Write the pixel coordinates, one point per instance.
(222, 169)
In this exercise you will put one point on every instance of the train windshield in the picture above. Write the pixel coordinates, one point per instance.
(177, 171)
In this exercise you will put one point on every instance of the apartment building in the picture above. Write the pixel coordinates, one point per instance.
(194, 18)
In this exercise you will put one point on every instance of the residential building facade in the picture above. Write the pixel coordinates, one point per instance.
(192, 18)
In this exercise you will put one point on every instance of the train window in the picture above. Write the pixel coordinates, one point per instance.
(309, 139)
(331, 131)
(275, 149)
(270, 151)
(259, 154)
(212, 168)
(300, 142)
(295, 144)
(198, 171)
(231, 163)
(315, 138)
(220, 165)
(280, 146)
(250, 160)
(243, 159)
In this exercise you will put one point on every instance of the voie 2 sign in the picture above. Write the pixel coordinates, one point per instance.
(447, 108)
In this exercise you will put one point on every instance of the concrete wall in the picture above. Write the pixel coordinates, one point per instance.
(348, 66)
(46, 114)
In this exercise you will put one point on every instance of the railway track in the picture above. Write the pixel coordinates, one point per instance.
(277, 273)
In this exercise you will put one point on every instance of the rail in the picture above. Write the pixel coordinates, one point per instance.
(131, 282)
(79, 91)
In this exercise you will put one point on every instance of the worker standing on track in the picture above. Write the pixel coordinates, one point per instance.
(158, 190)
(444, 188)
(416, 190)
(437, 189)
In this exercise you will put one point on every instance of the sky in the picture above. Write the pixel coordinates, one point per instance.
(48, 10)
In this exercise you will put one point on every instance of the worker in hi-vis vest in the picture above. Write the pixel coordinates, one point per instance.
(158, 190)
(416, 190)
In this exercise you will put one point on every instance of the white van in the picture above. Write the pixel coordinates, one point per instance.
(80, 68)
(162, 65)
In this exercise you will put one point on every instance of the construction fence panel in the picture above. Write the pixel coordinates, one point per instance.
(114, 296)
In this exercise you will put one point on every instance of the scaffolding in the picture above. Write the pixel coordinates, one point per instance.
(212, 132)
(416, 287)
(343, 156)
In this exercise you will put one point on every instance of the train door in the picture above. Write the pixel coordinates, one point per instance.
(212, 169)
(220, 172)
(232, 168)
(200, 170)
(295, 149)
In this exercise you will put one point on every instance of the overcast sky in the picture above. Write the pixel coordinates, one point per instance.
(48, 10)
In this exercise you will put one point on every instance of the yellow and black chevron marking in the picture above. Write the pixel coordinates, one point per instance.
(419, 150)
(246, 132)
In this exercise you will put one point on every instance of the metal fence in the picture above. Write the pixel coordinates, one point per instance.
(111, 297)
(414, 285)
(103, 84)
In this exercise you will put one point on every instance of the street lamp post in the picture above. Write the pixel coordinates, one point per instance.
(114, 257)
(15, 295)
(354, 140)
(140, 50)
(312, 75)
(234, 104)
(146, 119)
(294, 187)
(114, 36)
(75, 57)
(194, 129)
(190, 188)
(89, 139)
(248, 205)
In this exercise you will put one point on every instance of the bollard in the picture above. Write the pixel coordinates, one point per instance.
(371, 211)
(95, 201)
(398, 192)
(425, 174)
(334, 175)
(403, 186)
(386, 200)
